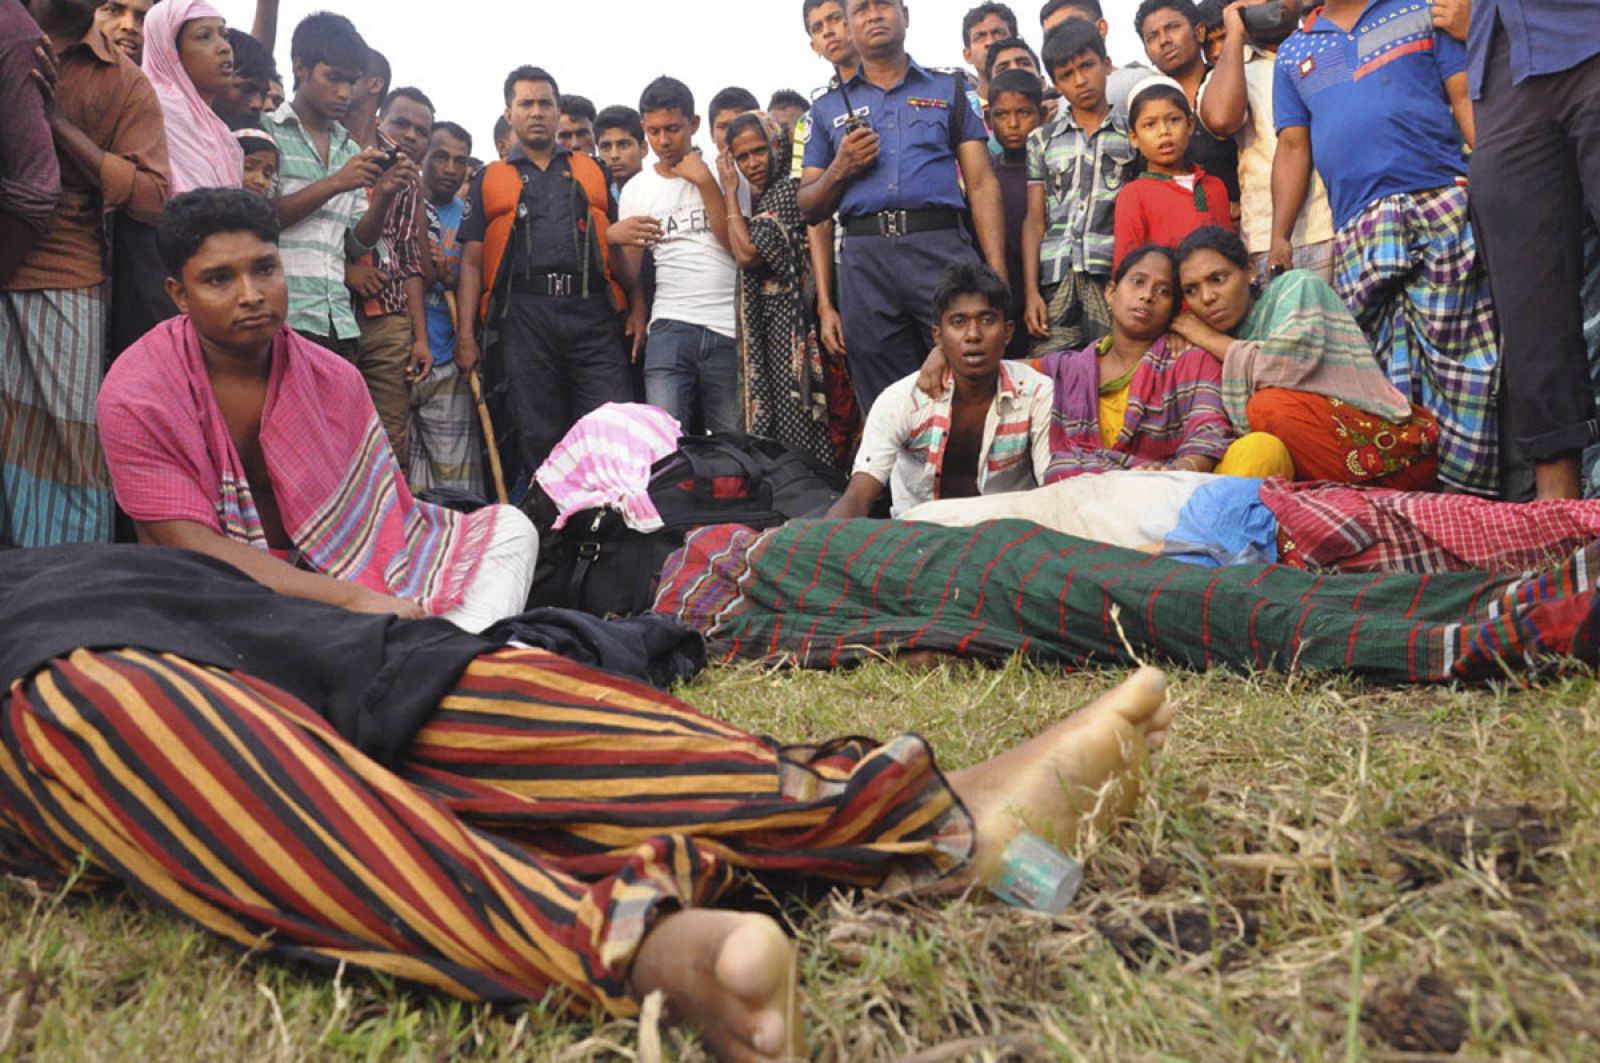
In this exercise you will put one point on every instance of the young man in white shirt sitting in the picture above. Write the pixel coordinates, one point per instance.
(987, 433)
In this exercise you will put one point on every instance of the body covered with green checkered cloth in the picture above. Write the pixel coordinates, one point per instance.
(829, 592)
(313, 249)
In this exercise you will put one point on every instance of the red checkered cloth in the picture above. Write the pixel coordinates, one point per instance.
(1335, 527)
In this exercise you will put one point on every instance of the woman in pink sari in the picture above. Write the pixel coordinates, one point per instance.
(189, 61)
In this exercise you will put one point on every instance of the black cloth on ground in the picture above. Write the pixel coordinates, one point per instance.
(648, 648)
(376, 679)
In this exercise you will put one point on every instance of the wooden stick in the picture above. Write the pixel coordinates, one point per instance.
(483, 412)
(488, 437)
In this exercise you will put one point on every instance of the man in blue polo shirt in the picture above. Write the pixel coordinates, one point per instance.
(1534, 70)
(887, 162)
(1373, 94)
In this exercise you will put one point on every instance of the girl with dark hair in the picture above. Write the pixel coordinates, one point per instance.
(783, 382)
(1173, 197)
(1143, 399)
(1296, 365)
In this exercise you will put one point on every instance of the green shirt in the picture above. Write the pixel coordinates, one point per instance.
(313, 248)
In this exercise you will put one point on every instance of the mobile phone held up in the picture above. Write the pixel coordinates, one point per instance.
(1262, 20)
(390, 157)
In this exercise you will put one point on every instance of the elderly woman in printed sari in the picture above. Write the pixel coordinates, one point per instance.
(1296, 365)
(783, 383)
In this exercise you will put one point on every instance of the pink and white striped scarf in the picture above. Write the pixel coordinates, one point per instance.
(605, 459)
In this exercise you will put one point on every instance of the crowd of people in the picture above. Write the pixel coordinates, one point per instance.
(256, 311)
(1247, 256)
(1334, 315)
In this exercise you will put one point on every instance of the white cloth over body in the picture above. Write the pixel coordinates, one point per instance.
(1133, 509)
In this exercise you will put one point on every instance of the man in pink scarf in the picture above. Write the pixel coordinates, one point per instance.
(228, 434)
(188, 60)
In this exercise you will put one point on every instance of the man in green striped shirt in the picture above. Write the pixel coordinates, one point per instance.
(323, 204)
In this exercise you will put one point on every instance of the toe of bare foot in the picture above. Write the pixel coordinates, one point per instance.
(730, 976)
(1142, 698)
(756, 965)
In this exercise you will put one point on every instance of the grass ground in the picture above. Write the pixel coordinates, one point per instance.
(1316, 871)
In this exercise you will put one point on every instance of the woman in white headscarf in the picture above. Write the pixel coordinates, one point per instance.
(188, 60)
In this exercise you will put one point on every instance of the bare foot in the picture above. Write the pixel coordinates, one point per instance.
(1086, 765)
(730, 976)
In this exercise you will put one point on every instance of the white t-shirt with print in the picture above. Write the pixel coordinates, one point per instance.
(695, 277)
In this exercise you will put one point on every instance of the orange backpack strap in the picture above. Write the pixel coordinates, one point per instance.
(597, 189)
(502, 191)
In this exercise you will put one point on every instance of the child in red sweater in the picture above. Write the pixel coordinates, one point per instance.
(1173, 197)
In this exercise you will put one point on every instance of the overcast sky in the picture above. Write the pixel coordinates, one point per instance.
(459, 51)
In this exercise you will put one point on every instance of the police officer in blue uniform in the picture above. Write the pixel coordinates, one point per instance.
(881, 149)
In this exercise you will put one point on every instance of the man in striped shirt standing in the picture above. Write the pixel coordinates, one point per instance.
(393, 353)
(327, 215)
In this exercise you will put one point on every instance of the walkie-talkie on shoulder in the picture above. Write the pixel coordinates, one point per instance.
(852, 121)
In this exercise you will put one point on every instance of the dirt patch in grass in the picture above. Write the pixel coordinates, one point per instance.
(1513, 838)
(1172, 935)
(1421, 1014)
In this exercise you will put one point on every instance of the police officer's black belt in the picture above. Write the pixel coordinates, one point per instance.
(555, 284)
(902, 222)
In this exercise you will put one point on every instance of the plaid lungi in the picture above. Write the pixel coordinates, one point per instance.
(824, 593)
(444, 434)
(52, 354)
(1079, 314)
(1408, 268)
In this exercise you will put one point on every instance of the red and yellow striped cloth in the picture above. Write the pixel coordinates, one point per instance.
(541, 820)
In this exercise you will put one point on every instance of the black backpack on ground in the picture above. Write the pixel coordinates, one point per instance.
(598, 564)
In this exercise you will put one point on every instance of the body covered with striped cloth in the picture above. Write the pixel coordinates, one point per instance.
(826, 593)
(331, 787)
(337, 485)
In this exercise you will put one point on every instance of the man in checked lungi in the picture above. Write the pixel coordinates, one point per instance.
(1375, 96)
(111, 146)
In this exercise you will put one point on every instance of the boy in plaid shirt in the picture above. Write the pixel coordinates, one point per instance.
(1077, 164)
